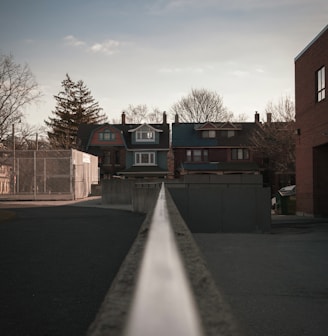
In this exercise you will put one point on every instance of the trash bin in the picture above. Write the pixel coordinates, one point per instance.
(286, 201)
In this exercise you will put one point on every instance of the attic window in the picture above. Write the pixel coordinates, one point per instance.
(145, 135)
(227, 133)
(106, 135)
(208, 134)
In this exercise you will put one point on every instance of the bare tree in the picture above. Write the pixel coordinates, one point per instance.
(156, 116)
(201, 105)
(136, 114)
(275, 138)
(18, 89)
(242, 117)
(283, 110)
(25, 136)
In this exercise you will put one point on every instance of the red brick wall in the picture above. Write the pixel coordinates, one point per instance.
(311, 118)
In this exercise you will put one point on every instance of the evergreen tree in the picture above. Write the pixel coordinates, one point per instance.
(75, 106)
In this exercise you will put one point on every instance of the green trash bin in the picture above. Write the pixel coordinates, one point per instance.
(286, 202)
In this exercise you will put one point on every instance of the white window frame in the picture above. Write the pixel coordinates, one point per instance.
(321, 84)
(139, 156)
(145, 135)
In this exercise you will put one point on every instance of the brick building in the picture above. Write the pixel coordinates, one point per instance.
(312, 127)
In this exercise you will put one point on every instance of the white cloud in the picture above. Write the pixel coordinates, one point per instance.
(181, 70)
(73, 41)
(259, 70)
(108, 47)
(240, 73)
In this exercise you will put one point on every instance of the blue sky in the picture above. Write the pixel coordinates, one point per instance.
(154, 52)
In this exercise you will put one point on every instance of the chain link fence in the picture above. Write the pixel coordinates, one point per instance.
(51, 174)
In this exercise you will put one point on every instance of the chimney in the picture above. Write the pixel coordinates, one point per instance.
(164, 118)
(269, 117)
(257, 117)
(123, 118)
(176, 118)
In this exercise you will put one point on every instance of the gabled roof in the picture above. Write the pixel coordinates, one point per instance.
(85, 132)
(147, 125)
(323, 31)
(229, 126)
(205, 126)
(187, 135)
(217, 126)
(164, 138)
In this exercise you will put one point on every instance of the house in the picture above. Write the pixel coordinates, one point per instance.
(312, 127)
(107, 143)
(213, 148)
(128, 150)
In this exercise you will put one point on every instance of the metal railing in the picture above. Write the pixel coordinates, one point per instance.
(163, 302)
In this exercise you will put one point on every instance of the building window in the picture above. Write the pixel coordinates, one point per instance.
(227, 133)
(209, 134)
(321, 84)
(106, 135)
(239, 154)
(144, 158)
(197, 155)
(145, 135)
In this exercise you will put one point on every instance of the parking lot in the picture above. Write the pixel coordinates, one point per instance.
(277, 283)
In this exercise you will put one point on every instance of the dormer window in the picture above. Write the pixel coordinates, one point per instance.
(209, 134)
(106, 135)
(145, 135)
(227, 133)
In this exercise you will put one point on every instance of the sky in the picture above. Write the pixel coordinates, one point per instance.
(154, 52)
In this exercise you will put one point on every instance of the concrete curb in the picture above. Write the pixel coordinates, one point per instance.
(215, 313)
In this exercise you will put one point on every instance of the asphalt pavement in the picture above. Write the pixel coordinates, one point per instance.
(276, 283)
(57, 262)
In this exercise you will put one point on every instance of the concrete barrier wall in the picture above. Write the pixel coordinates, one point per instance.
(140, 193)
(116, 191)
(223, 207)
(144, 196)
(208, 203)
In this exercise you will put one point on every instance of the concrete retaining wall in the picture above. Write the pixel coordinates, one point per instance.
(223, 207)
(116, 191)
(208, 203)
(140, 193)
